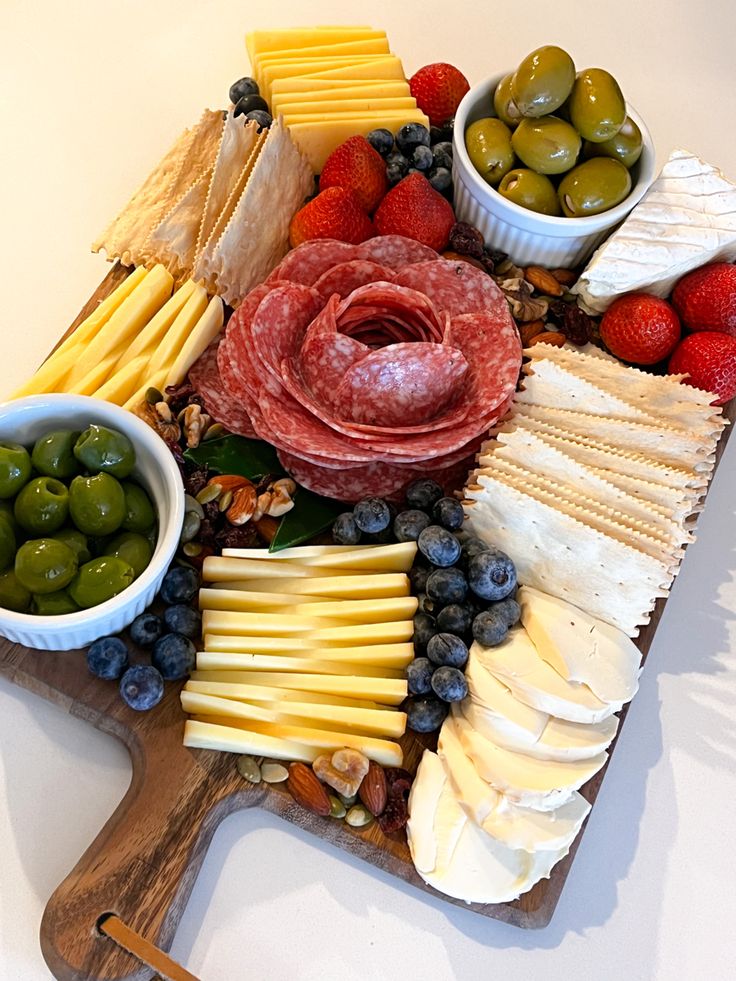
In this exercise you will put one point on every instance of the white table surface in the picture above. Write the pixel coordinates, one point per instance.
(92, 95)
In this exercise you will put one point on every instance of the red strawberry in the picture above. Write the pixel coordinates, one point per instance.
(706, 298)
(356, 166)
(438, 90)
(709, 358)
(413, 208)
(334, 213)
(640, 328)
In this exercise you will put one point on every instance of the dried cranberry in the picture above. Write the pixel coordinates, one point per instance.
(195, 480)
(577, 325)
(212, 511)
(241, 536)
(180, 396)
(206, 533)
(466, 240)
(395, 815)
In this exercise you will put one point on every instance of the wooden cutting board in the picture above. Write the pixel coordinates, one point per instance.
(143, 864)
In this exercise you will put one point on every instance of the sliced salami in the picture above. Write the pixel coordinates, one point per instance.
(455, 287)
(349, 483)
(348, 276)
(395, 251)
(492, 347)
(401, 384)
(279, 324)
(206, 380)
(307, 262)
(325, 359)
(406, 306)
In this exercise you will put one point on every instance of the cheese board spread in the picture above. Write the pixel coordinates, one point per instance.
(431, 489)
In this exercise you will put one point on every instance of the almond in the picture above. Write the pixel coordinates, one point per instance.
(306, 790)
(456, 257)
(373, 790)
(530, 330)
(553, 337)
(565, 276)
(543, 281)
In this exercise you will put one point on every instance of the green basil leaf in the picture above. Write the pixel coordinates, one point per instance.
(310, 515)
(251, 458)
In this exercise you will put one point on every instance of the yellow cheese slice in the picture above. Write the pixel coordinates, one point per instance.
(394, 655)
(127, 321)
(229, 685)
(205, 735)
(297, 552)
(369, 67)
(374, 70)
(206, 330)
(96, 376)
(180, 330)
(259, 42)
(361, 610)
(339, 633)
(215, 661)
(155, 380)
(393, 119)
(318, 138)
(218, 568)
(281, 591)
(123, 382)
(377, 722)
(388, 691)
(383, 751)
(359, 46)
(336, 556)
(343, 92)
(157, 326)
(329, 107)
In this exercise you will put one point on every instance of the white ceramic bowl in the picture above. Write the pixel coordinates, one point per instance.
(23, 421)
(528, 237)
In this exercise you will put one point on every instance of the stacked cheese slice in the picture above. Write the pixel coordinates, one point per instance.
(139, 336)
(499, 806)
(304, 652)
(331, 83)
(592, 483)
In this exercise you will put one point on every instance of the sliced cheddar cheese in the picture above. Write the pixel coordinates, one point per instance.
(389, 691)
(378, 585)
(205, 735)
(213, 661)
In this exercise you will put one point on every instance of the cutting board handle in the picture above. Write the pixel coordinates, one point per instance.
(144, 862)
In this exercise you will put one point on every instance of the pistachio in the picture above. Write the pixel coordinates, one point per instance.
(214, 431)
(358, 816)
(225, 501)
(191, 549)
(348, 799)
(153, 396)
(249, 769)
(210, 492)
(337, 808)
(274, 773)
(190, 527)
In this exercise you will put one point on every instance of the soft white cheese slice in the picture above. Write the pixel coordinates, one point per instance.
(521, 721)
(515, 826)
(686, 218)
(579, 647)
(516, 664)
(423, 799)
(541, 784)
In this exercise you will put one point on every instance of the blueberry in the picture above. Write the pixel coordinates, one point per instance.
(397, 167)
(409, 524)
(142, 687)
(180, 585)
(419, 676)
(473, 546)
(436, 135)
(182, 619)
(394, 174)
(344, 530)
(442, 155)
(418, 578)
(455, 619)
(261, 117)
(249, 103)
(415, 170)
(174, 656)
(509, 609)
(490, 628)
(446, 130)
(107, 658)
(425, 714)
(372, 514)
(447, 585)
(422, 158)
(448, 512)
(243, 86)
(447, 649)
(411, 136)
(439, 546)
(382, 141)
(424, 628)
(423, 493)
(440, 178)
(449, 684)
(491, 575)
(146, 629)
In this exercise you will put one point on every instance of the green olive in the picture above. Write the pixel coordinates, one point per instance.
(53, 454)
(99, 580)
(625, 146)
(76, 541)
(530, 190)
(103, 450)
(489, 148)
(15, 468)
(140, 515)
(597, 106)
(6, 511)
(543, 81)
(13, 596)
(53, 604)
(44, 565)
(548, 145)
(504, 105)
(593, 187)
(132, 548)
(97, 504)
(42, 506)
(8, 544)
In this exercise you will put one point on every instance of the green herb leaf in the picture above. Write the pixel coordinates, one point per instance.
(251, 458)
(310, 515)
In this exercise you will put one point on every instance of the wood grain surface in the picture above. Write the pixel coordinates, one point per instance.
(144, 862)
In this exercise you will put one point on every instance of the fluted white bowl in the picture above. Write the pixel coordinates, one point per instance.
(525, 236)
(23, 421)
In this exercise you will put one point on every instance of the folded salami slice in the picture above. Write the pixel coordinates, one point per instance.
(348, 276)
(206, 379)
(455, 287)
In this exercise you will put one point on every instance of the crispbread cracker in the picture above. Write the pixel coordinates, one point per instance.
(173, 240)
(564, 557)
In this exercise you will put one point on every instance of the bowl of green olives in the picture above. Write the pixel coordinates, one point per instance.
(547, 160)
(91, 510)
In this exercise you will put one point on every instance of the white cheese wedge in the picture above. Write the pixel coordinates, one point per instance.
(282, 591)
(360, 610)
(579, 647)
(515, 826)
(516, 663)
(686, 218)
(540, 784)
